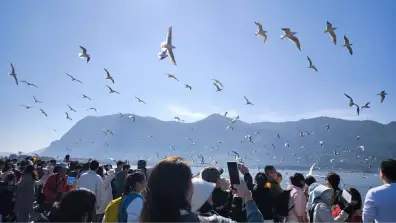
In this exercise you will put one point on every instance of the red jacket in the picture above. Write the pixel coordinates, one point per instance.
(55, 187)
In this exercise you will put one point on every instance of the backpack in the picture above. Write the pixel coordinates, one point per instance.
(116, 209)
(282, 204)
(311, 212)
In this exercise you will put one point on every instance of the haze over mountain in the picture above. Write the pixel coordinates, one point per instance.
(148, 136)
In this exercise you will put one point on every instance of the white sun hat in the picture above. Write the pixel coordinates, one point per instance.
(201, 192)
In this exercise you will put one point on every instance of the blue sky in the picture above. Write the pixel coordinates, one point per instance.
(214, 39)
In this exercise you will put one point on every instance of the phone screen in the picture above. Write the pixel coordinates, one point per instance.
(70, 180)
(234, 172)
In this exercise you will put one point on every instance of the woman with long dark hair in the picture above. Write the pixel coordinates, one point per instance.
(25, 194)
(169, 193)
(263, 197)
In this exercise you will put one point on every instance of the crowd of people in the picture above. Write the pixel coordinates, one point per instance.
(34, 190)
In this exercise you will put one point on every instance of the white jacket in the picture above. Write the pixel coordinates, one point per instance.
(107, 192)
(93, 182)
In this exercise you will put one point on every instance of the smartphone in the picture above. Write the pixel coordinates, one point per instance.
(234, 172)
(70, 180)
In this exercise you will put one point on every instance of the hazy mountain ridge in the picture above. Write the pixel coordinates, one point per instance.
(208, 137)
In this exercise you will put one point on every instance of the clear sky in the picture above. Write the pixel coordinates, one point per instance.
(214, 39)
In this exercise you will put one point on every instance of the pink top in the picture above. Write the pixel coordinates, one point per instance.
(298, 199)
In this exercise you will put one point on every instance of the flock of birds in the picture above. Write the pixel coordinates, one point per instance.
(167, 51)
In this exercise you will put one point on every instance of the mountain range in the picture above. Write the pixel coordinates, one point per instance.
(152, 139)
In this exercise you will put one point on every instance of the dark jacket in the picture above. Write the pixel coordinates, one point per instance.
(265, 201)
(222, 201)
(120, 179)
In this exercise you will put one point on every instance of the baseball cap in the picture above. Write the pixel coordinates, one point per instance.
(211, 174)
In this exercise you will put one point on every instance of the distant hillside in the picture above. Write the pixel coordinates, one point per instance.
(148, 136)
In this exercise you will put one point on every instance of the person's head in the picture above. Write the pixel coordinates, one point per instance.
(100, 171)
(388, 171)
(356, 197)
(135, 182)
(279, 178)
(297, 180)
(7, 167)
(119, 164)
(141, 164)
(310, 180)
(75, 206)
(29, 171)
(94, 165)
(67, 158)
(211, 175)
(2, 164)
(61, 169)
(52, 162)
(169, 189)
(126, 168)
(333, 180)
(261, 179)
(270, 171)
(10, 178)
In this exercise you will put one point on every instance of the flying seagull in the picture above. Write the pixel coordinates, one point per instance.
(365, 106)
(357, 138)
(249, 137)
(261, 32)
(225, 114)
(73, 79)
(29, 84)
(111, 90)
(108, 76)
(247, 101)
(13, 74)
(67, 117)
(188, 86)
(162, 55)
(36, 101)
(71, 109)
(311, 65)
(330, 29)
(84, 54)
(321, 143)
(278, 136)
(27, 107)
(357, 109)
(132, 117)
(92, 109)
(218, 82)
(287, 145)
(84, 96)
(327, 126)
(42, 111)
(167, 46)
(139, 100)
(121, 114)
(172, 76)
(351, 103)
(217, 86)
(348, 45)
(291, 36)
(382, 94)
(177, 118)
(311, 169)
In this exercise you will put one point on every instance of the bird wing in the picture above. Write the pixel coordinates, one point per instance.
(34, 85)
(16, 80)
(70, 76)
(328, 25)
(259, 26)
(171, 56)
(246, 99)
(169, 36)
(309, 61)
(217, 86)
(382, 98)
(348, 97)
(333, 37)
(311, 169)
(67, 115)
(350, 49)
(79, 81)
(83, 49)
(175, 78)
(109, 88)
(107, 73)
(346, 40)
(286, 30)
(295, 40)
(25, 82)
(12, 69)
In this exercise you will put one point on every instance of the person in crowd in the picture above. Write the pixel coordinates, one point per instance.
(333, 181)
(51, 166)
(279, 178)
(120, 179)
(220, 197)
(45, 176)
(2, 165)
(6, 170)
(120, 164)
(272, 175)
(168, 197)
(263, 197)
(141, 165)
(132, 201)
(356, 215)
(56, 186)
(93, 182)
(18, 174)
(309, 180)
(7, 198)
(76, 172)
(107, 190)
(101, 172)
(320, 203)
(25, 194)
(380, 202)
(76, 206)
(298, 201)
(67, 159)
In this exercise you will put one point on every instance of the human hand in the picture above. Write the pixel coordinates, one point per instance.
(242, 191)
(243, 169)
